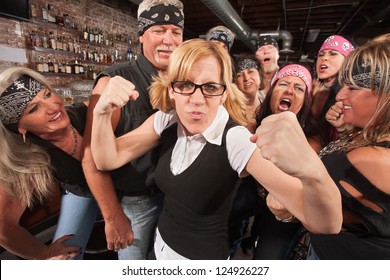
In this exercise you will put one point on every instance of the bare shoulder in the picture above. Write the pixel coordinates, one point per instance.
(374, 164)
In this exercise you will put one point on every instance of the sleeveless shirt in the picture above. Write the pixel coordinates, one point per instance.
(369, 238)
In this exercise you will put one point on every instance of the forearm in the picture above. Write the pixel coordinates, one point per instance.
(101, 186)
(22, 243)
(313, 198)
(322, 203)
(103, 142)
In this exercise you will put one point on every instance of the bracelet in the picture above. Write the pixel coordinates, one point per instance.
(286, 220)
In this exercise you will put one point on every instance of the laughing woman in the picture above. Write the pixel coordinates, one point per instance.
(204, 149)
(31, 110)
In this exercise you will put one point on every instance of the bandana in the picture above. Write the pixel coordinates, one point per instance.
(219, 35)
(266, 40)
(16, 98)
(246, 64)
(361, 76)
(295, 70)
(337, 43)
(160, 15)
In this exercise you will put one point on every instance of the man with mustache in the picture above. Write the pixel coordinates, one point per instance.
(129, 199)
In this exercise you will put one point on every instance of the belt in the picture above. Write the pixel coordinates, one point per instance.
(148, 192)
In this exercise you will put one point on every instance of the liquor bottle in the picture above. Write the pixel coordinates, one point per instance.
(91, 35)
(45, 65)
(52, 41)
(59, 43)
(68, 67)
(39, 64)
(44, 13)
(55, 65)
(85, 34)
(34, 13)
(45, 41)
(50, 65)
(76, 67)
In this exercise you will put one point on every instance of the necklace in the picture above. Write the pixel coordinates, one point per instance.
(326, 86)
(340, 144)
(76, 142)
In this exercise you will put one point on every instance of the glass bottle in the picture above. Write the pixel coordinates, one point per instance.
(44, 13)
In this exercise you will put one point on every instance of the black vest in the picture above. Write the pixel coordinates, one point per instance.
(198, 200)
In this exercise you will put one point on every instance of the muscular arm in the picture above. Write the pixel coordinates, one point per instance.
(108, 151)
(304, 186)
(118, 229)
(20, 241)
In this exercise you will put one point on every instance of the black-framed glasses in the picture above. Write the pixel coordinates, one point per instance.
(207, 89)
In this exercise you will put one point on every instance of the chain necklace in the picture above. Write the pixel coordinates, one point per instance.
(76, 142)
(339, 144)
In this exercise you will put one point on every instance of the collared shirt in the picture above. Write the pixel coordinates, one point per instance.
(187, 148)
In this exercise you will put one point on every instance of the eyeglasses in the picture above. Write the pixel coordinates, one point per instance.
(207, 89)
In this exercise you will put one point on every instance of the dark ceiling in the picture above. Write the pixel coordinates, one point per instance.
(356, 20)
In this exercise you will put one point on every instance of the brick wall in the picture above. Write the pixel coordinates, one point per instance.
(91, 13)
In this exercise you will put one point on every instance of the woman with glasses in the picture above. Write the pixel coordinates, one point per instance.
(204, 150)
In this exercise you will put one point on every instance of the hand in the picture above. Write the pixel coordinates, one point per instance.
(115, 95)
(119, 233)
(335, 117)
(59, 251)
(281, 140)
(280, 212)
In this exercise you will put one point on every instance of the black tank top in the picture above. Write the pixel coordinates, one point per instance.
(369, 236)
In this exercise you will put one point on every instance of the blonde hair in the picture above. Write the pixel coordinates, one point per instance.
(25, 170)
(179, 67)
(377, 55)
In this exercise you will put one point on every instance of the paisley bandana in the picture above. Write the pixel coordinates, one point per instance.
(246, 64)
(219, 35)
(361, 76)
(295, 70)
(160, 15)
(266, 40)
(16, 98)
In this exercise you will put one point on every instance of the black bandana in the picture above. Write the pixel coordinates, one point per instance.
(266, 40)
(246, 64)
(16, 98)
(219, 35)
(361, 76)
(160, 15)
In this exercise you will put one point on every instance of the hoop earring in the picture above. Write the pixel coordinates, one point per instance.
(24, 137)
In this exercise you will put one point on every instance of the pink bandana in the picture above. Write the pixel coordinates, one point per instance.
(295, 70)
(337, 43)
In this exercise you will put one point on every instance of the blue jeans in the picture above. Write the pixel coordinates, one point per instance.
(77, 216)
(143, 212)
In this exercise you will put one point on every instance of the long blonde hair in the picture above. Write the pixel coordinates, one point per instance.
(179, 67)
(377, 55)
(25, 170)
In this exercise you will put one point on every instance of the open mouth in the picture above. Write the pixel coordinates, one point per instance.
(267, 59)
(56, 117)
(285, 104)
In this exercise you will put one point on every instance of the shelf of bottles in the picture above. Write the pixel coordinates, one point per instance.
(61, 47)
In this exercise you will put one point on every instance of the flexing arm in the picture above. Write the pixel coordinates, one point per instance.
(304, 186)
(119, 233)
(21, 242)
(108, 151)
